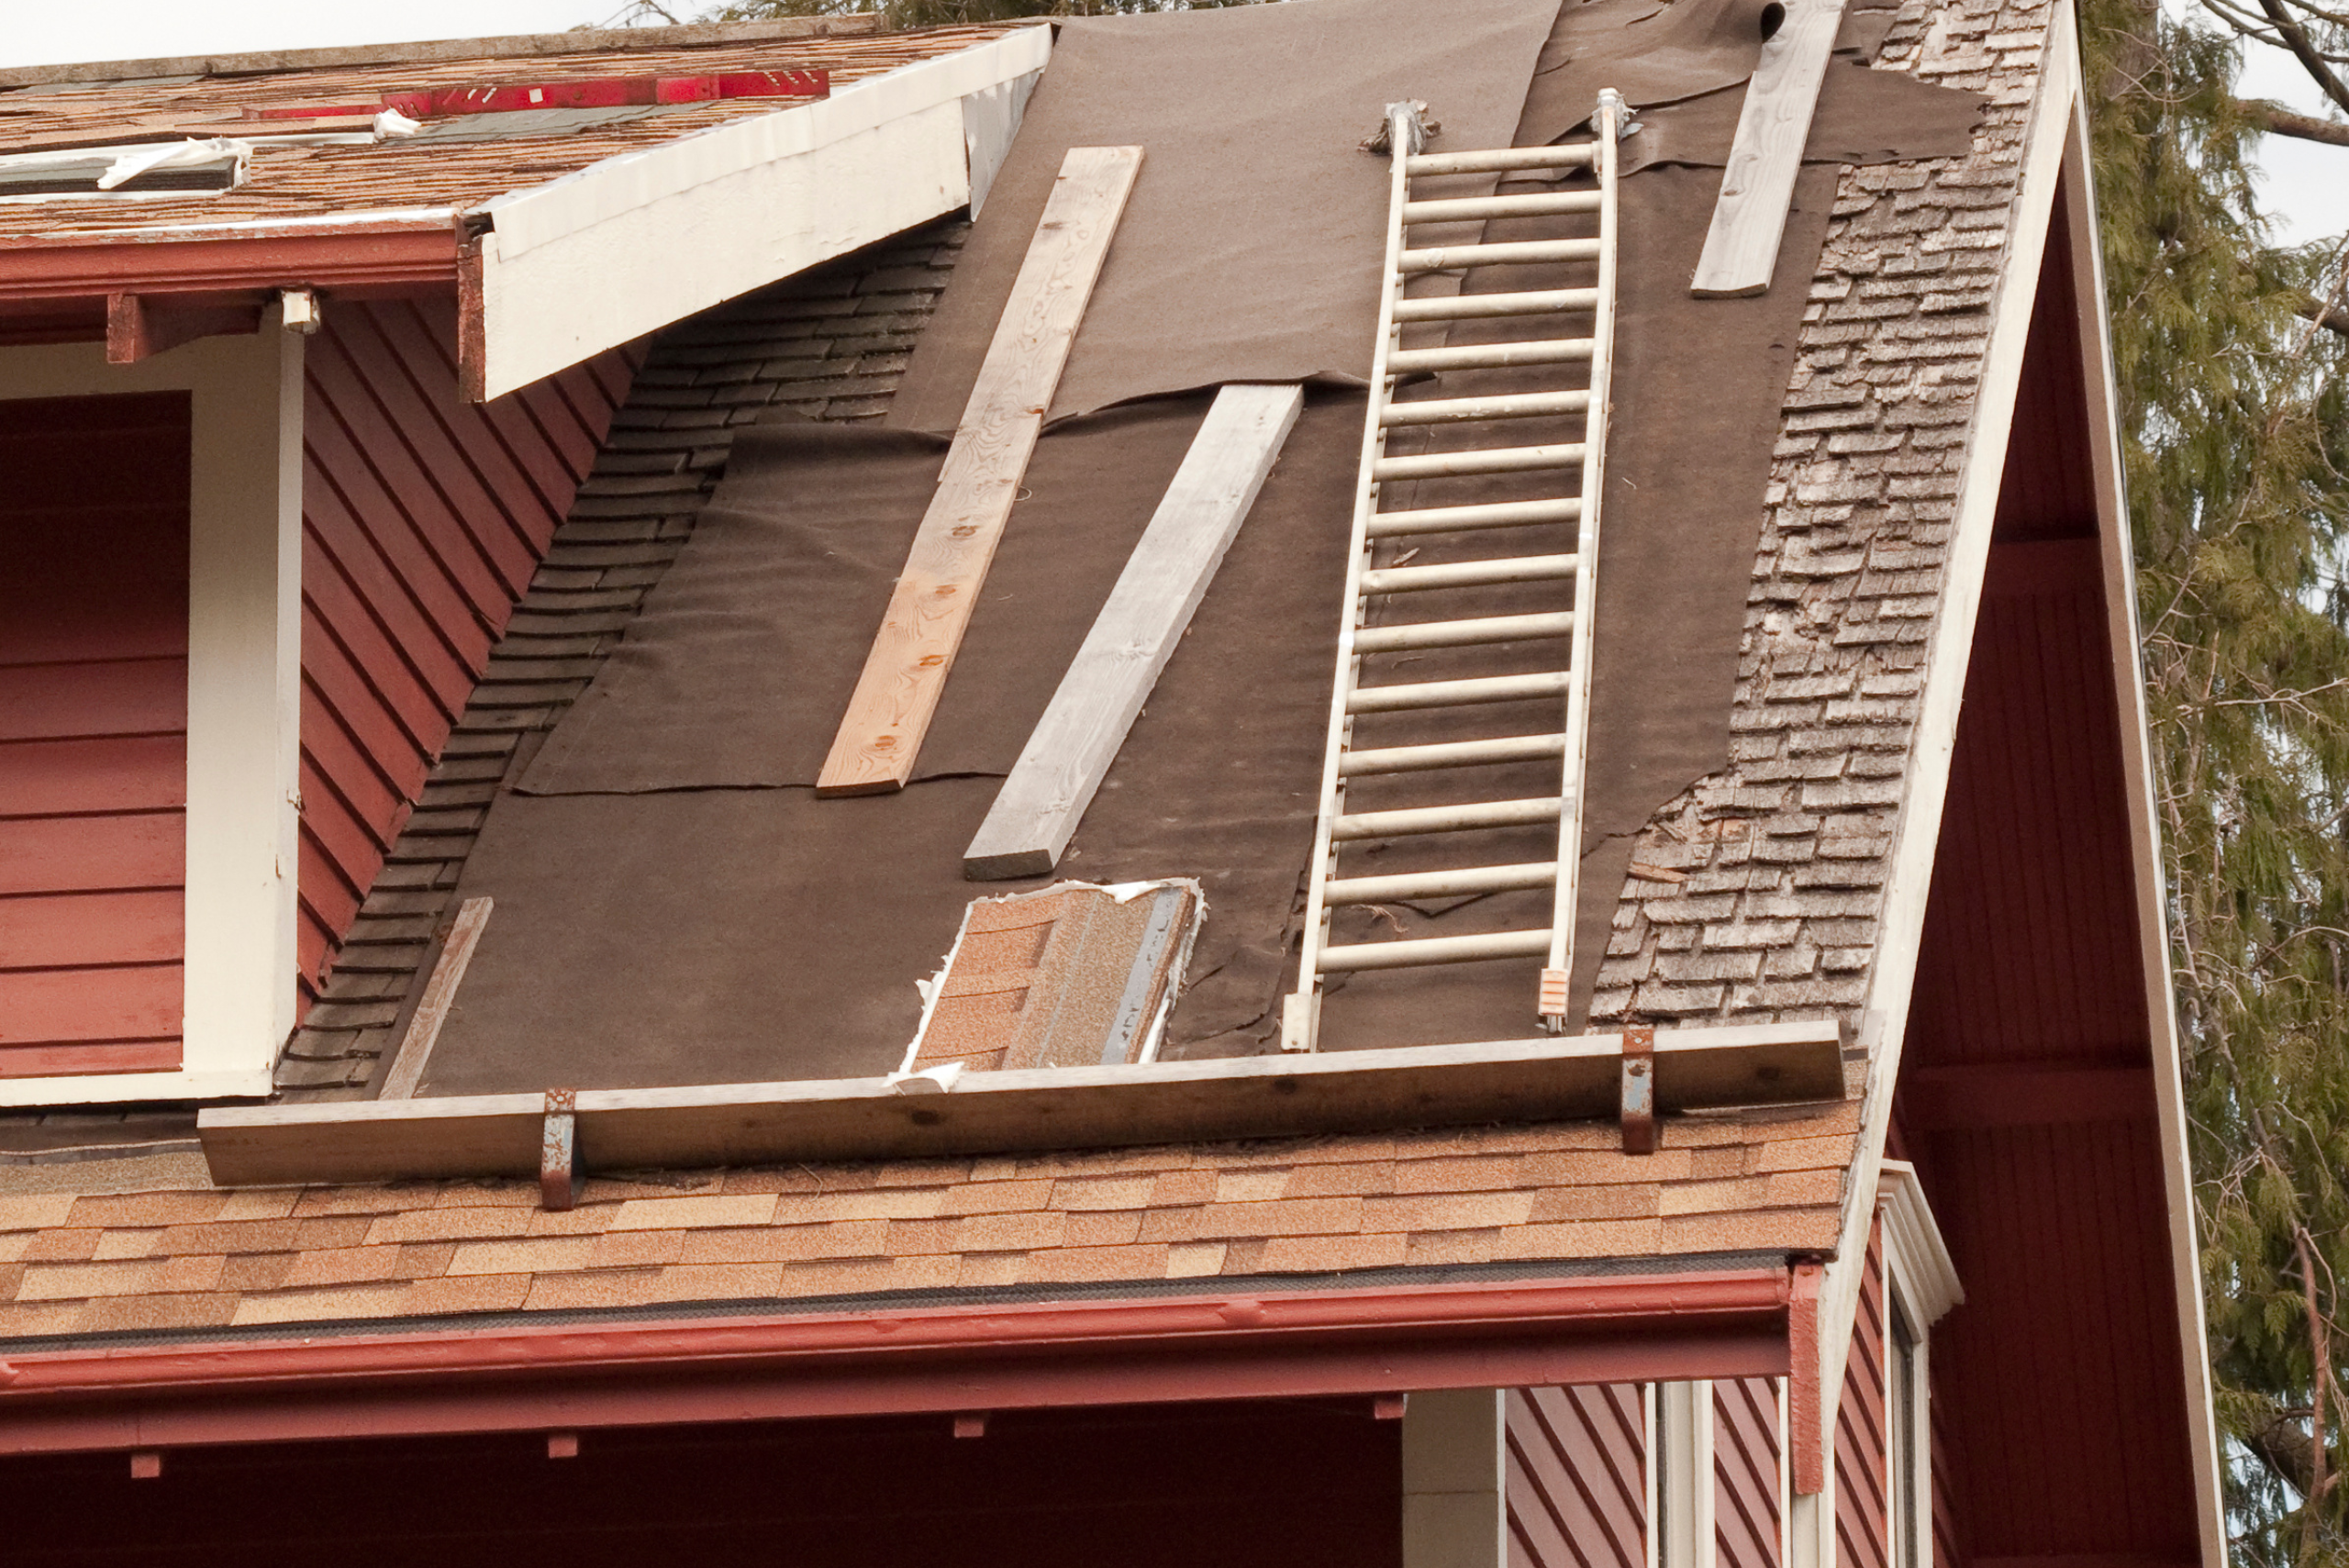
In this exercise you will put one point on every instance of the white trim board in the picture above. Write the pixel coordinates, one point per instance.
(629, 245)
(1507, 1082)
(2114, 540)
(244, 692)
(1926, 785)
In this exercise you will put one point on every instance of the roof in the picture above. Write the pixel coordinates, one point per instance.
(1274, 1211)
(454, 163)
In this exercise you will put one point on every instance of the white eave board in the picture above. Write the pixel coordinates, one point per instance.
(1548, 1079)
(625, 246)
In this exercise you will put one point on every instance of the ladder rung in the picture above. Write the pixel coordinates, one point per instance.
(1514, 405)
(1434, 950)
(1469, 306)
(1457, 693)
(1446, 818)
(1567, 157)
(1458, 519)
(1468, 573)
(1450, 754)
(1492, 459)
(1537, 203)
(1503, 253)
(1441, 883)
(1483, 356)
(1463, 633)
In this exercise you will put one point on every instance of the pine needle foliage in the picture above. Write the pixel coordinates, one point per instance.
(2233, 422)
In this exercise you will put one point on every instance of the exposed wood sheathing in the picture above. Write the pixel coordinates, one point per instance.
(424, 518)
(196, 1258)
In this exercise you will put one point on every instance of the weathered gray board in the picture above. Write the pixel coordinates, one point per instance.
(1072, 1108)
(1750, 220)
(1071, 749)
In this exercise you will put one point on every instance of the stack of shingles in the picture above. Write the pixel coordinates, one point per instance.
(828, 345)
(1774, 870)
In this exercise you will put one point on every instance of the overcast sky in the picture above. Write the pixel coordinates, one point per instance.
(2307, 188)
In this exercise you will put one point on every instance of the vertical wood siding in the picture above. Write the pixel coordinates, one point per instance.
(93, 574)
(1861, 1500)
(1746, 1473)
(1578, 1477)
(424, 517)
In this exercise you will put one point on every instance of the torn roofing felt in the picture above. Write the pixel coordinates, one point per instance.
(794, 929)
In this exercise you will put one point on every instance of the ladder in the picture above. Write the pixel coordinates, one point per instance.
(1453, 705)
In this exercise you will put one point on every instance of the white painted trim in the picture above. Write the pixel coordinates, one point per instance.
(1685, 1479)
(1455, 1479)
(1934, 743)
(627, 245)
(1651, 1453)
(244, 685)
(2117, 547)
(1915, 1259)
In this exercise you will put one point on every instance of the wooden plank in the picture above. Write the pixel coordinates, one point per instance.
(1510, 1082)
(69, 930)
(83, 1060)
(64, 1007)
(1742, 246)
(439, 994)
(66, 778)
(98, 700)
(1038, 809)
(882, 734)
(93, 854)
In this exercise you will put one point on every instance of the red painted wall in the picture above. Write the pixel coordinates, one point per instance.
(1861, 1511)
(1578, 1477)
(1746, 1488)
(93, 574)
(423, 518)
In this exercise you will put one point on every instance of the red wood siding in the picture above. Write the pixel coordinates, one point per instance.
(1862, 1510)
(1746, 1490)
(1578, 1477)
(93, 574)
(423, 519)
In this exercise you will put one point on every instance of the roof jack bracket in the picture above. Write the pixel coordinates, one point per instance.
(1639, 1089)
(558, 1150)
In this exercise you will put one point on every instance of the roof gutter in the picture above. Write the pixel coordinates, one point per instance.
(413, 248)
(1231, 1344)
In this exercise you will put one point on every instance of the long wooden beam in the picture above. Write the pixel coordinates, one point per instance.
(1553, 1078)
(1742, 246)
(439, 995)
(881, 736)
(1037, 810)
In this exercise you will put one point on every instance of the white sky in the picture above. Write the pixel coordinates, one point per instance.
(2305, 189)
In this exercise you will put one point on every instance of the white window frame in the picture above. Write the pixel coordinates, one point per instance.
(244, 699)
(1920, 1287)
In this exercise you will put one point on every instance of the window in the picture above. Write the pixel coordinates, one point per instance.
(1921, 1285)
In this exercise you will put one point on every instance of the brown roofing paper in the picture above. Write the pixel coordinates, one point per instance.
(1250, 250)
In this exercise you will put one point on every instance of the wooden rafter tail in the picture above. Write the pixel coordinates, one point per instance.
(881, 735)
(1069, 752)
(1742, 244)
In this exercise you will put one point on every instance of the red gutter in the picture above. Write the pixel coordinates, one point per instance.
(1600, 1329)
(398, 254)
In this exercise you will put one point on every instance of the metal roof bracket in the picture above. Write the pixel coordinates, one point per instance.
(558, 1150)
(1639, 1089)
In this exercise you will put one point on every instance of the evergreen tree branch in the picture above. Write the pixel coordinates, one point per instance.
(2281, 121)
(2333, 318)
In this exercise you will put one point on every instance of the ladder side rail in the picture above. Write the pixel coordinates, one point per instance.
(1557, 974)
(1300, 1011)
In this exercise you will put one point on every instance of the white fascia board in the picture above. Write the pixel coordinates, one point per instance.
(1914, 1252)
(244, 696)
(622, 247)
(2109, 476)
(1925, 786)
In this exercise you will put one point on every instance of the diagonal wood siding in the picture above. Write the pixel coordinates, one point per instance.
(423, 519)
(93, 582)
(1746, 1489)
(1578, 1477)
(1861, 1501)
